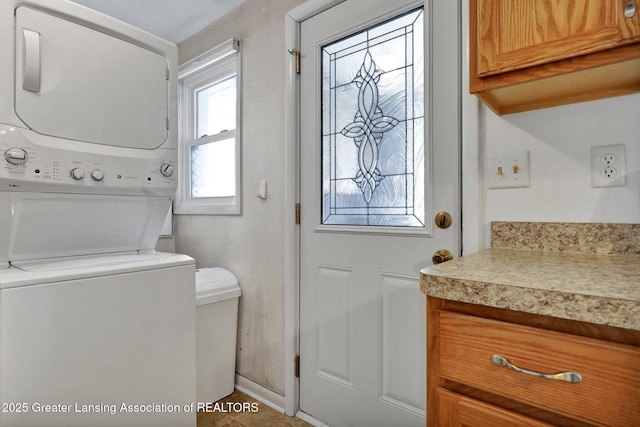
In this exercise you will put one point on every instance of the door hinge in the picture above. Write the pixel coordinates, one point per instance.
(168, 74)
(297, 363)
(297, 213)
(167, 123)
(296, 52)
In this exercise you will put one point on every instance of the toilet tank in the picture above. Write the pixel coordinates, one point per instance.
(217, 295)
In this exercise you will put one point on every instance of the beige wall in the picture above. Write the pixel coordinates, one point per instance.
(559, 142)
(251, 245)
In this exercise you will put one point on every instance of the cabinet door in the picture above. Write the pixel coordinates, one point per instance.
(455, 410)
(514, 34)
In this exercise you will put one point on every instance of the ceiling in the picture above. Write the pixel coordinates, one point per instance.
(169, 19)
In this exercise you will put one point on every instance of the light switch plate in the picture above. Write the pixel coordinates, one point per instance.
(508, 170)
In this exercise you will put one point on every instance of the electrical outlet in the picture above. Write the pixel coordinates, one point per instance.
(609, 158)
(508, 170)
(608, 166)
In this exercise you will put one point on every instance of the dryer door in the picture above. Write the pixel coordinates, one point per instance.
(78, 83)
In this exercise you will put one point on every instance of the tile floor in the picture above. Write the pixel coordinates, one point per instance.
(240, 410)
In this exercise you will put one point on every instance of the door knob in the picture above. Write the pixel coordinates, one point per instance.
(441, 255)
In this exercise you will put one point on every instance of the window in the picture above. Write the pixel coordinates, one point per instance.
(209, 142)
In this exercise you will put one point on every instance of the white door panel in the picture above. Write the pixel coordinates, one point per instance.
(334, 336)
(362, 316)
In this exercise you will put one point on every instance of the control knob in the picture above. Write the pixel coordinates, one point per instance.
(16, 156)
(97, 175)
(77, 174)
(166, 169)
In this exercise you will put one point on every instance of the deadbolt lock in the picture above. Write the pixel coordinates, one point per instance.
(441, 255)
(443, 219)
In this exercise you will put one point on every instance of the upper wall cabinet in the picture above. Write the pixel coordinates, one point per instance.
(529, 54)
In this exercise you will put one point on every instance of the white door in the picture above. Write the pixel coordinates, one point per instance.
(379, 158)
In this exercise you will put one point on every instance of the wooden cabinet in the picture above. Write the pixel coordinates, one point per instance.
(602, 366)
(527, 54)
(518, 34)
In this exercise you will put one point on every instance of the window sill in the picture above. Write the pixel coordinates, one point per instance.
(207, 210)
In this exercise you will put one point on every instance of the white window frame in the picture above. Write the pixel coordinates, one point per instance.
(217, 64)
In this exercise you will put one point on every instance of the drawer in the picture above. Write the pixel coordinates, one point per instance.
(609, 390)
(455, 410)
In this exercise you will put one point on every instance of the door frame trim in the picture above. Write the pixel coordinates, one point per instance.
(293, 19)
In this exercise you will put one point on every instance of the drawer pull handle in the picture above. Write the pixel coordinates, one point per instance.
(570, 377)
(629, 9)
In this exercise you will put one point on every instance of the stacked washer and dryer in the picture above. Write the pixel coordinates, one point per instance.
(96, 328)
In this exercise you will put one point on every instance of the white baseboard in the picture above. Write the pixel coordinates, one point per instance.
(271, 399)
(260, 393)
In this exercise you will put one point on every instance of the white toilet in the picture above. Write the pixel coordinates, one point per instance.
(217, 294)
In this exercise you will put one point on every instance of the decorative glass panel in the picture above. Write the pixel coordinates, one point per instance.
(213, 169)
(373, 126)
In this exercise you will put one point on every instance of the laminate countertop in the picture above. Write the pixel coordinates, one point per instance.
(595, 288)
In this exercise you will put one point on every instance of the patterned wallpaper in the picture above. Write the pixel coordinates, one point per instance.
(251, 245)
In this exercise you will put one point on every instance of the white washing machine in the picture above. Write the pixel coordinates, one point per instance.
(98, 341)
(96, 329)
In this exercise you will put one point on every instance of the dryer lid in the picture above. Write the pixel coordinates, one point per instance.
(79, 83)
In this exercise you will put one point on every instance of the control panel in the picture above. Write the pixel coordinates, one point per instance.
(82, 167)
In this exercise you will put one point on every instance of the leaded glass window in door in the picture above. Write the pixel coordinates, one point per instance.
(373, 125)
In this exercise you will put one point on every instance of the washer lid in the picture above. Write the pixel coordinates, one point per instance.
(131, 259)
(215, 284)
(25, 273)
